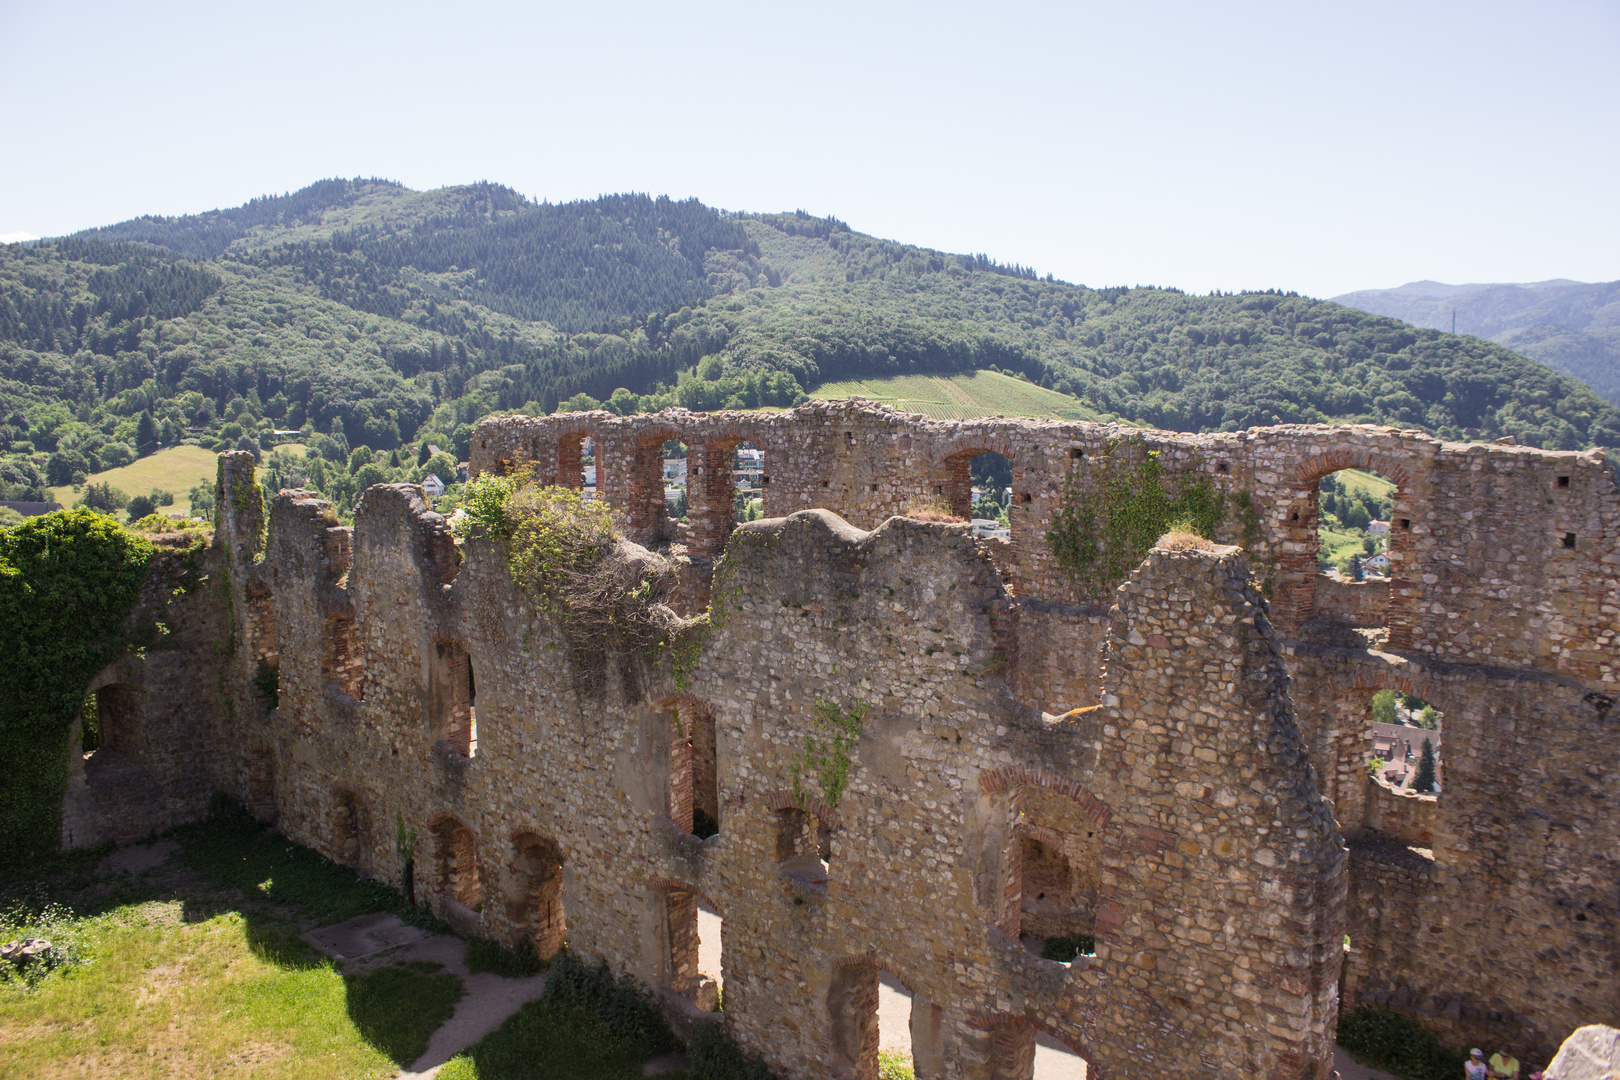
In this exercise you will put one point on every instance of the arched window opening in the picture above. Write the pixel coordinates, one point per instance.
(540, 874)
(456, 864)
(1057, 855)
(1355, 561)
(348, 846)
(991, 496)
(693, 789)
(571, 470)
(589, 475)
(1354, 508)
(1055, 1061)
(711, 978)
(909, 1031)
(748, 474)
(675, 479)
(452, 700)
(1405, 751)
(803, 845)
(693, 932)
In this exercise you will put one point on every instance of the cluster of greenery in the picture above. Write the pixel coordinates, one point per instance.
(1390, 1041)
(1424, 715)
(68, 582)
(395, 317)
(1100, 536)
(588, 1024)
(1349, 501)
(327, 465)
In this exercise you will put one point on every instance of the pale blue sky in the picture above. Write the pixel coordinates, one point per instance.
(1320, 147)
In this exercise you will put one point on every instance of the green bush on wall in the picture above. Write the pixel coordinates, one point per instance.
(68, 582)
(1099, 537)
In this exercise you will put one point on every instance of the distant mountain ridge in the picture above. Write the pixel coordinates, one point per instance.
(1571, 326)
(374, 316)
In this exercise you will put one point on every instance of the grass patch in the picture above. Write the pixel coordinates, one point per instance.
(962, 396)
(511, 963)
(177, 469)
(398, 1008)
(234, 850)
(1389, 1041)
(894, 1065)
(588, 1025)
(715, 1056)
(197, 968)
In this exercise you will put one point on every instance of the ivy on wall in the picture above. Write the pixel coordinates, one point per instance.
(1100, 536)
(826, 752)
(68, 582)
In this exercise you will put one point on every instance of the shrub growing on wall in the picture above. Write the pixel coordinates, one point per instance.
(68, 582)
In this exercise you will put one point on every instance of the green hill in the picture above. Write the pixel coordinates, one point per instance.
(367, 314)
(1570, 326)
(962, 397)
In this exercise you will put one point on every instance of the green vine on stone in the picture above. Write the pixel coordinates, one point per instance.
(404, 839)
(826, 752)
(1099, 536)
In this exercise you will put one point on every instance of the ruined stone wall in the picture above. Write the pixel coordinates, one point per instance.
(1399, 815)
(950, 777)
(1481, 571)
(1351, 603)
(1161, 763)
(1515, 878)
(162, 715)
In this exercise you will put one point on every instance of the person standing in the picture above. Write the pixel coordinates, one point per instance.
(1474, 1068)
(1504, 1066)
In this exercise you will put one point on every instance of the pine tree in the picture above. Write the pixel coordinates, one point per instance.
(1425, 776)
(146, 433)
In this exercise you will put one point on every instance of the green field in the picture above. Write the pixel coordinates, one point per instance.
(961, 397)
(1357, 481)
(177, 469)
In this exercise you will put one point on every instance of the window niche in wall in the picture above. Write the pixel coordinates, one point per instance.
(456, 864)
(803, 845)
(452, 700)
(539, 871)
(693, 788)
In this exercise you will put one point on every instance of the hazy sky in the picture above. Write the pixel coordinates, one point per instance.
(1312, 146)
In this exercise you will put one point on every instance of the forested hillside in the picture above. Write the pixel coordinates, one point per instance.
(1570, 326)
(381, 317)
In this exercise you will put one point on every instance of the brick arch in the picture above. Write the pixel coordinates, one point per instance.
(1295, 600)
(994, 780)
(455, 859)
(784, 800)
(664, 885)
(958, 478)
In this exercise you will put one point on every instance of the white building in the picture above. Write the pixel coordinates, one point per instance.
(433, 485)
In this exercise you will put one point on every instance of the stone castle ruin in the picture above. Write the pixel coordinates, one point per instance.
(922, 749)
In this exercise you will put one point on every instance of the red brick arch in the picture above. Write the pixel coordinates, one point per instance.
(958, 481)
(994, 780)
(1295, 600)
(784, 800)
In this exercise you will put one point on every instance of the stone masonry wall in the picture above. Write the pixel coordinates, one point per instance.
(1160, 762)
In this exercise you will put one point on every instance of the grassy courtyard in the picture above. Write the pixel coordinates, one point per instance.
(195, 967)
